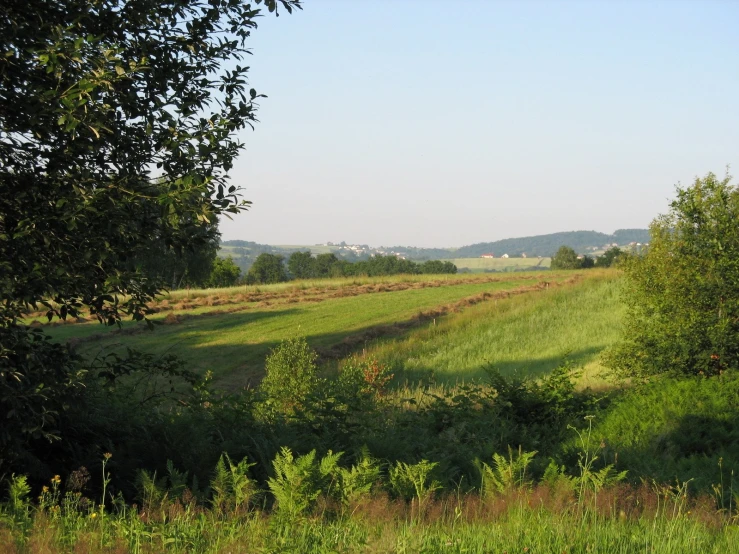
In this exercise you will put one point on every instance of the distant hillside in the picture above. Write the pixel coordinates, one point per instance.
(582, 242)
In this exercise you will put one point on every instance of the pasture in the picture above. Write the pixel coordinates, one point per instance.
(230, 331)
(501, 264)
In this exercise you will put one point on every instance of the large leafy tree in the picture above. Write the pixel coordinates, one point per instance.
(118, 126)
(683, 293)
(565, 258)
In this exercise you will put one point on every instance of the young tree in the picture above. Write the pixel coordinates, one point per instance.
(683, 294)
(266, 269)
(225, 273)
(565, 258)
(118, 125)
(609, 257)
(301, 265)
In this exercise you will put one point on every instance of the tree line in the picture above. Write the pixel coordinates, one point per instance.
(272, 268)
(567, 258)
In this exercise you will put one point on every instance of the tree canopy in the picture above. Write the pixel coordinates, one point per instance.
(118, 126)
(683, 293)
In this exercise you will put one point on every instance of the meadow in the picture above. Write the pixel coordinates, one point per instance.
(456, 413)
(230, 331)
(501, 264)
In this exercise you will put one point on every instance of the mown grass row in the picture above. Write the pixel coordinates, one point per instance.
(233, 344)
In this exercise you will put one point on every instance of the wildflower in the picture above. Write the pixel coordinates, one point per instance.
(107, 455)
(56, 480)
(44, 489)
(93, 515)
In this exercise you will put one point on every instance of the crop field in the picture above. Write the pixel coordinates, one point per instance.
(452, 325)
(501, 264)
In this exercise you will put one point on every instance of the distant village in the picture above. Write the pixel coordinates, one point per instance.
(634, 246)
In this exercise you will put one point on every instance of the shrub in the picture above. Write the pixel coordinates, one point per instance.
(683, 294)
(290, 375)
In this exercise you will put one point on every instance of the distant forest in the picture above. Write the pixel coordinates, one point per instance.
(581, 242)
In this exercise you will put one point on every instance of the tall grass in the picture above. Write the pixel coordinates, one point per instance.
(529, 334)
(519, 517)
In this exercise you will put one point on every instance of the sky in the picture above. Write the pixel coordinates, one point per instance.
(447, 123)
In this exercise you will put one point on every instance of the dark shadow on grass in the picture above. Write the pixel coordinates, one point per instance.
(532, 367)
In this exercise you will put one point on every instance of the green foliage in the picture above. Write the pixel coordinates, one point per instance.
(290, 375)
(565, 258)
(507, 473)
(591, 480)
(414, 481)
(683, 294)
(610, 257)
(357, 481)
(232, 488)
(267, 268)
(545, 245)
(225, 273)
(189, 266)
(303, 266)
(364, 375)
(119, 122)
(298, 482)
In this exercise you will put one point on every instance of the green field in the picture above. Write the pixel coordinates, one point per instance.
(501, 264)
(231, 331)
(528, 334)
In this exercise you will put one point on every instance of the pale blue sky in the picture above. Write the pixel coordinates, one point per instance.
(445, 123)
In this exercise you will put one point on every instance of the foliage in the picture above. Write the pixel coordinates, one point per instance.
(565, 258)
(507, 473)
(610, 257)
(298, 482)
(683, 294)
(304, 266)
(225, 273)
(266, 269)
(190, 266)
(364, 375)
(414, 481)
(546, 245)
(232, 488)
(290, 375)
(118, 125)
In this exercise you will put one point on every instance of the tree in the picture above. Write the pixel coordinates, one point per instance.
(189, 267)
(301, 265)
(683, 293)
(609, 257)
(118, 123)
(565, 258)
(266, 269)
(225, 273)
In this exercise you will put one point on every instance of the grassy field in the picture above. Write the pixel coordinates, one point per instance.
(231, 331)
(501, 264)
(529, 334)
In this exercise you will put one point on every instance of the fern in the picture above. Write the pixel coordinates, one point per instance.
(298, 482)
(232, 488)
(358, 480)
(414, 481)
(507, 474)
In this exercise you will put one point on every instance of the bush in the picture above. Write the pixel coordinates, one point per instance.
(683, 294)
(290, 375)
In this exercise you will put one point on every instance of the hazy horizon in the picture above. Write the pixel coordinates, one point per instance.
(431, 123)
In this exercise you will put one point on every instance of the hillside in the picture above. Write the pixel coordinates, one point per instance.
(584, 242)
(546, 245)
